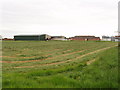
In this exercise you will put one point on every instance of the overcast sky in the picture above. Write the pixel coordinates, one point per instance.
(58, 17)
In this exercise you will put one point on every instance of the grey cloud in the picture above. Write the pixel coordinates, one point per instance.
(56, 15)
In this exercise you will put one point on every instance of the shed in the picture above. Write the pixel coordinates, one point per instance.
(58, 38)
(106, 38)
(85, 38)
(42, 37)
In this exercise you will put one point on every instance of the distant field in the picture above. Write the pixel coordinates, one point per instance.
(60, 64)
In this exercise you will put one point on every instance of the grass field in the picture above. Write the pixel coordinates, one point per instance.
(60, 64)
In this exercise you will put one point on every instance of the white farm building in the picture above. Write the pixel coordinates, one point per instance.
(112, 38)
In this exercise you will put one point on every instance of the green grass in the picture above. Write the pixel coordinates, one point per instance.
(102, 73)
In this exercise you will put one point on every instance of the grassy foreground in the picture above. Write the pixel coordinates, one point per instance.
(97, 70)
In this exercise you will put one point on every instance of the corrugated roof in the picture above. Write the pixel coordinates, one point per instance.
(85, 36)
(57, 36)
(31, 35)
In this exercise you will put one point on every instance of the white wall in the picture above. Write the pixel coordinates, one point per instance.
(106, 39)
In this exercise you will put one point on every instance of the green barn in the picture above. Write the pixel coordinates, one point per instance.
(42, 37)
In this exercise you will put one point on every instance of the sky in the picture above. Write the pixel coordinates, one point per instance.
(58, 17)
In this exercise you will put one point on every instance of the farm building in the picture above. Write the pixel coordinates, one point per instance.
(85, 38)
(32, 37)
(58, 38)
(108, 38)
(7, 39)
(117, 38)
(0, 37)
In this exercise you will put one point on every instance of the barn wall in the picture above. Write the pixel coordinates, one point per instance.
(32, 37)
(85, 38)
(26, 37)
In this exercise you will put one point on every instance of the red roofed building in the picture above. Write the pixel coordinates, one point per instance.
(85, 38)
(7, 39)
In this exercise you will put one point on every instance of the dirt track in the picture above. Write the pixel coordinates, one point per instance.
(31, 56)
(42, 59)
(89, 62)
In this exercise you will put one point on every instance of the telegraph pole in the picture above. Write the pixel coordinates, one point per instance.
(118, 22)
(119, 18)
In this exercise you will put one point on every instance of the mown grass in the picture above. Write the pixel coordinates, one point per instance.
(103, 73)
